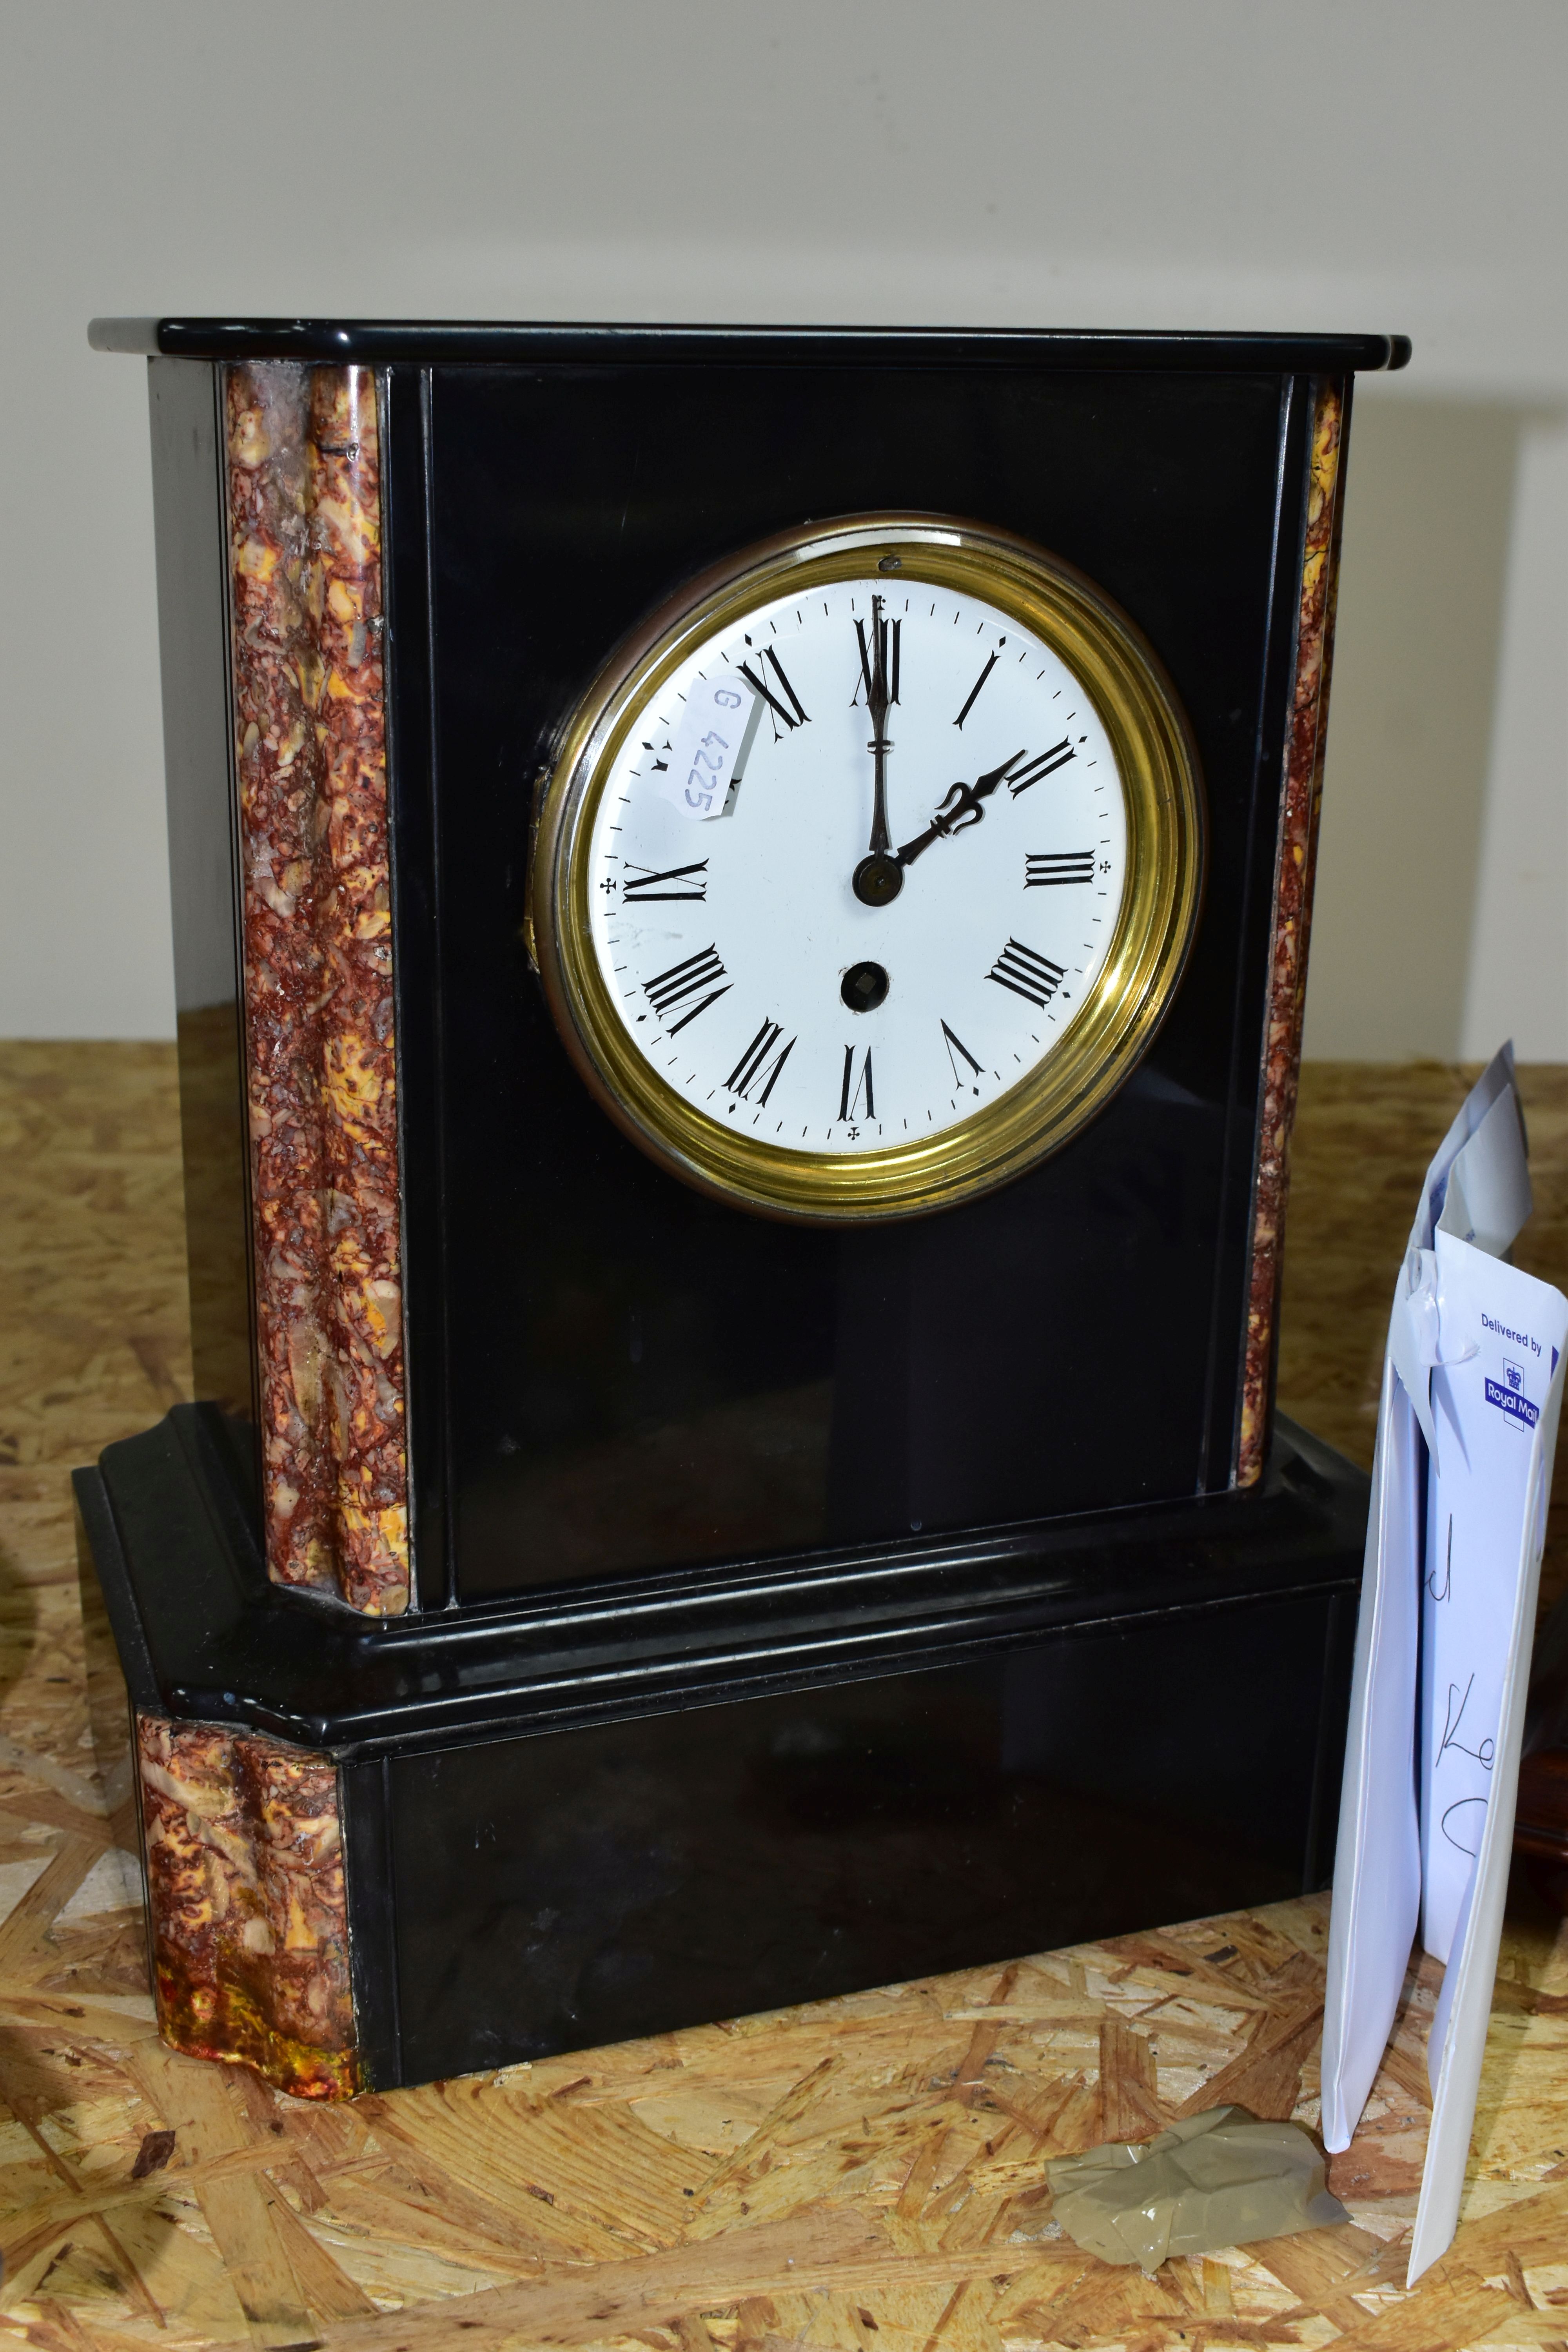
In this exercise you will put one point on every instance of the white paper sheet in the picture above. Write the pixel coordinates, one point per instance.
(1501, 1337)
(1458, 2038)
(1467, 1427)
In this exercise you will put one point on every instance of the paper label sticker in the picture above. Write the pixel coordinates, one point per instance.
(708, 748)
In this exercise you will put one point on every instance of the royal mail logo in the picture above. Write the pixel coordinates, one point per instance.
(1514, 1377)
(1509, 1401)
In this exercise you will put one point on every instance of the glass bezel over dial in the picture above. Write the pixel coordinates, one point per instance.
(1127, 996)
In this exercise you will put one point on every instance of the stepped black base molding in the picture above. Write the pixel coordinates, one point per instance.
(380, 1852)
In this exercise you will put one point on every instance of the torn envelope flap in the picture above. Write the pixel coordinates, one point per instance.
(1496, 1079)
(1487, 1198)
(1221, 2179)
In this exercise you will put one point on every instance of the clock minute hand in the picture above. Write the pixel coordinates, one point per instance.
(874, 662)
(877, 880)
(961, 806)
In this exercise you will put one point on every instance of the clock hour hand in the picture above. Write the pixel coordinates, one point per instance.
(961, 806)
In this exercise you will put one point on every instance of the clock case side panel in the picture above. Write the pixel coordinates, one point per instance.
(419, 905)
(184, 403)
(1278, 886)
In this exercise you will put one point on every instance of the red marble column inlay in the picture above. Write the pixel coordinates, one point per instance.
(1295, 860)
(304, 504)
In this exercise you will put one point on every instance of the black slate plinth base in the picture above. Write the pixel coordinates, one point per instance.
(614, 1811)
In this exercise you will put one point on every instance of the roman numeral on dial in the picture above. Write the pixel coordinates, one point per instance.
(643, 887)
(974, 691)
(668, 989)
(857, 1090)
(956, 1051)
(1042, 871)
(1044, 763)
(795, 714)
(891, 633)
(764, 1057)
(1027, 973)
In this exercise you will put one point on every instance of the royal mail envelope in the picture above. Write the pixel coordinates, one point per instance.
(1472, 1388)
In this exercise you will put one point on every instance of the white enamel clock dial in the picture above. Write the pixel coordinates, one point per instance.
(868, 867)
(743, 964)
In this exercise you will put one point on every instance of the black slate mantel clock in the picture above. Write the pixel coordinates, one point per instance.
(741, 907)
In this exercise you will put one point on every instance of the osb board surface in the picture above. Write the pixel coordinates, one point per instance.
(864, 2173)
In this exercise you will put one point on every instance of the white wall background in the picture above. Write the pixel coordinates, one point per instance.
(1355, 164)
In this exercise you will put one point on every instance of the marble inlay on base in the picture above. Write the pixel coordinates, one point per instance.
(249, 1917)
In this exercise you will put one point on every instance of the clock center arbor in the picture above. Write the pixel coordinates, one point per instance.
(740, 907)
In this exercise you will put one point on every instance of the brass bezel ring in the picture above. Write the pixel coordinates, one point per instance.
(1118, 1018)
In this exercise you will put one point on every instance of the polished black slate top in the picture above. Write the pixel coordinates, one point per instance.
(526, 343)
